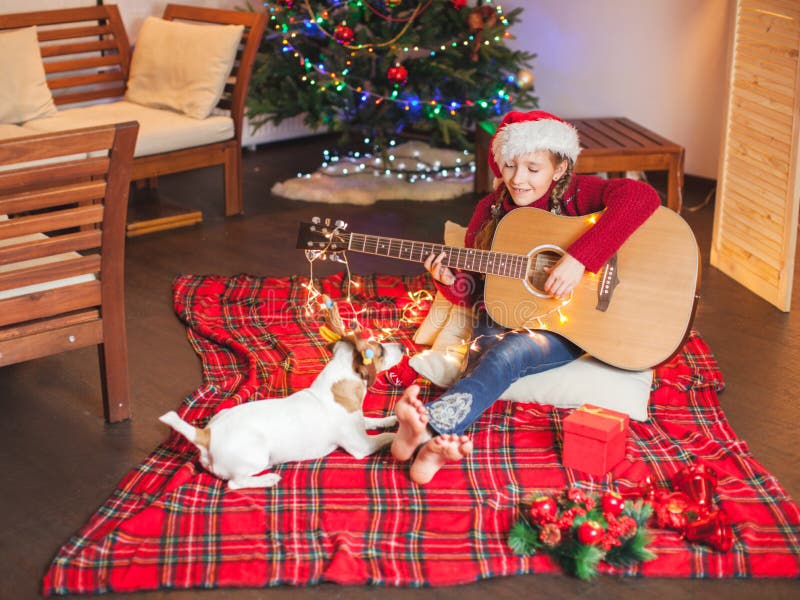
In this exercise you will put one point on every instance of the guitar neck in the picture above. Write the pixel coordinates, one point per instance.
(468, 259)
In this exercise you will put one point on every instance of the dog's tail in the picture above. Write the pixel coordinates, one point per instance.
(199, 437)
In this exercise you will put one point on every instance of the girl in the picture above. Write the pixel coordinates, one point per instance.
(533, 153)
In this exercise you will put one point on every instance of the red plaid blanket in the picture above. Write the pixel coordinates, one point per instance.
(169, 524)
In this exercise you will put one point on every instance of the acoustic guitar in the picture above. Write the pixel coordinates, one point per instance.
(634, 313)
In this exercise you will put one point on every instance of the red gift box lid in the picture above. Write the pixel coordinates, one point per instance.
(596, 422)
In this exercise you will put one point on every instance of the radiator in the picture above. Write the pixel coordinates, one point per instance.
(269, 132)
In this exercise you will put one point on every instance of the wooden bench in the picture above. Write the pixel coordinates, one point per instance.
(611, 144)
(87, 58)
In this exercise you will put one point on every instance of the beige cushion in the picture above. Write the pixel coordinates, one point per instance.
(159, 130)
(12, 131)
(24, 94)
(447, 329)
(182, 66)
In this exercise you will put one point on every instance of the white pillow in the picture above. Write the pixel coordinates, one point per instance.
(24, 94)
(182, 66)
(583, 381)
(587, 381)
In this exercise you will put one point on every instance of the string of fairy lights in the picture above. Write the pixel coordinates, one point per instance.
(418, 305)
(317, 74)
(295, 20)
(406, 162)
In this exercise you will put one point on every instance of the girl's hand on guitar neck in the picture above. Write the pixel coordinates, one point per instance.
(564, 276)
(438, 271)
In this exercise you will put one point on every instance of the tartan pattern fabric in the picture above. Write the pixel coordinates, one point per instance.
(170, 524)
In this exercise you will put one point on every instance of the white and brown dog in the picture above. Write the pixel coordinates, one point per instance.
(239, 444)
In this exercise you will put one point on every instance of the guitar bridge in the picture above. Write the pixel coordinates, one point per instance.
(609, 280)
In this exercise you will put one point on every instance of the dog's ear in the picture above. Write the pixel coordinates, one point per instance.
(367, 358)
(349, 393)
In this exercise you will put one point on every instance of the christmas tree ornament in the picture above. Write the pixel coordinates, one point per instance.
(343, 34)
(458, 4)
(690, 508)
(397, 75)
(590, 533)
(612, 504)
(698, 482)
(543, 509)
(646, 489)
(712, 529)
(480, 18)
(524, 79)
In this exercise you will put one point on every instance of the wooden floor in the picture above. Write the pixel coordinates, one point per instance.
(59, 461)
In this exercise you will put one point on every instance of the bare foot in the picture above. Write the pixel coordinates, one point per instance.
(440, 450)
(413, 419)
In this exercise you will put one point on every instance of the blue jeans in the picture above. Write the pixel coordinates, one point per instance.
(494, 364)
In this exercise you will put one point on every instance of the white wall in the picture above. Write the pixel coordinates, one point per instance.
(661, 63)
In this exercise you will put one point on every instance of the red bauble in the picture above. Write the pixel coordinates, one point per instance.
(458, 4)
(397, 74)
(590, 533)
(543, 509)
(612, 504)
(343, 34)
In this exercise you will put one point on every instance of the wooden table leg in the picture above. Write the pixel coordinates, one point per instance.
(675, 182)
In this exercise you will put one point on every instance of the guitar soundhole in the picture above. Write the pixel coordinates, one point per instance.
(541, 261)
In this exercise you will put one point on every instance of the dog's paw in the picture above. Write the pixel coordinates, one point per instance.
(259, 481)
(380, 423)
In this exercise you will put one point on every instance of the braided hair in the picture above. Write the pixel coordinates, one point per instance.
(483, 239)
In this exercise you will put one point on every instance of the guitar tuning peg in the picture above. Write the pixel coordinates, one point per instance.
(315, 220)
(327, 221)
(340, 224)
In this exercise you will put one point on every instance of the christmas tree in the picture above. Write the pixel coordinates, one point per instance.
(378, 68)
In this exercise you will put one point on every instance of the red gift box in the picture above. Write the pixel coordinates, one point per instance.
(594, 439)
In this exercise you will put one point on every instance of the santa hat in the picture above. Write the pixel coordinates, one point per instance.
(524, 132)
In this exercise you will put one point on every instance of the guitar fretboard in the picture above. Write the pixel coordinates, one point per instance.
(469, 259)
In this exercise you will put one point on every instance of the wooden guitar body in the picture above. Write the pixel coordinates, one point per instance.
(634, 313)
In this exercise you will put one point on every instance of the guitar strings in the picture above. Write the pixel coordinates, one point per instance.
(541, 319)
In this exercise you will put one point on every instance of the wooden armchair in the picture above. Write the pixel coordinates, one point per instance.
(63, 203)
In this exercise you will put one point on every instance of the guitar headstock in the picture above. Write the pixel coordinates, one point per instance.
(323, 235)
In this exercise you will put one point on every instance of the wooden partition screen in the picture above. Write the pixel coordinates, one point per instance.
(758, 189)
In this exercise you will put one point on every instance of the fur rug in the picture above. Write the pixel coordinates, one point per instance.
(336, 183)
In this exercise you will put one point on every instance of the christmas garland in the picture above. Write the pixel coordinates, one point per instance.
(580, 530)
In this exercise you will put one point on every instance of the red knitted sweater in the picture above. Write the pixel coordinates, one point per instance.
(625, 203)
